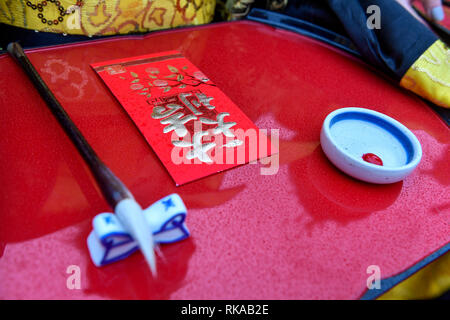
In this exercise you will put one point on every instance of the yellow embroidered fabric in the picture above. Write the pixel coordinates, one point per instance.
(429, 76)
(104, 17)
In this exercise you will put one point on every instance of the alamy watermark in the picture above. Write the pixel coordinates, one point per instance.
(74, 279)
(225, 145)
(374, 280)
(73, 21)
(374, 20)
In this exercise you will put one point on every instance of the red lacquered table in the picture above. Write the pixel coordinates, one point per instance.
(307, 232)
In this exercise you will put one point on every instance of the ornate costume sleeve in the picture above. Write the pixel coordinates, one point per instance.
(401, 46)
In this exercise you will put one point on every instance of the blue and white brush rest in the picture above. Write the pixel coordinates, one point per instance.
(109, 242)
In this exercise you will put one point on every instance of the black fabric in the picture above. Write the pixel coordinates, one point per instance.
(30, 39)
(394, 47)
(316, 12)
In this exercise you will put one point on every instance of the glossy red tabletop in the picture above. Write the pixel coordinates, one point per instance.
(307, 232)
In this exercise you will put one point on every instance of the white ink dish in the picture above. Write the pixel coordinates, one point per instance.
(369, 145)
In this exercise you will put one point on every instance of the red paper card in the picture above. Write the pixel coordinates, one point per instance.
(193, 127)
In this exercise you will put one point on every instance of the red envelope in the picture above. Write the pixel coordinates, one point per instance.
(193, 127)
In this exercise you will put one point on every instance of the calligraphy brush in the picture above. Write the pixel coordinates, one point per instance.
(115, 192)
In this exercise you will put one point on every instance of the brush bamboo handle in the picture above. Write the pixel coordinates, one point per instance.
(112, 188)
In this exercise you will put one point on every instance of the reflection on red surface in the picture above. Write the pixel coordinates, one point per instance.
(437, 169)
(2, 248)
(117, 282)
(309, 231)
(342, 190)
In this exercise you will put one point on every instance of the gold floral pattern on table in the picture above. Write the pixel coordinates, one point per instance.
(104, 17)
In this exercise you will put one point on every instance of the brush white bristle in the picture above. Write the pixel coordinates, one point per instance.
(130, 215)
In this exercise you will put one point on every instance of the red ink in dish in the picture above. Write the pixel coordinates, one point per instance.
(372, 158)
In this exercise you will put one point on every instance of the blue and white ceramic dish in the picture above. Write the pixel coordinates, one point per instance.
(369, 145)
